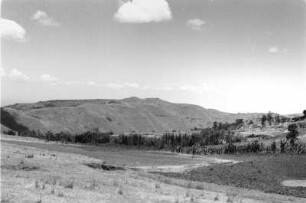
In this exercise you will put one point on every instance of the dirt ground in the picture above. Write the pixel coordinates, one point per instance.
(53, 174)
(261, 172)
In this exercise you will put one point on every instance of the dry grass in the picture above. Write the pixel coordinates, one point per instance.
(66, 179)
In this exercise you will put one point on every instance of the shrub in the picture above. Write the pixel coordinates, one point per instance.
(273, 147)
(29, 156)
(293, 133)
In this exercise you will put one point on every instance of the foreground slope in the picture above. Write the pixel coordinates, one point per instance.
(58, 173)
(126, 115)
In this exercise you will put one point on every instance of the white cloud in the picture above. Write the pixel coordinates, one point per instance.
(48, 78)
(42, 18)
(115, 85)
(12, 30)
(18, 75)
(131, 85)
(201, 88)
(188, 87)
(71, 83)
(92, 83)
(2, 72)
(273, 50)
(143, 11)
(195, 24)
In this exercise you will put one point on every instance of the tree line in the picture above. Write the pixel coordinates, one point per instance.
(220, 138)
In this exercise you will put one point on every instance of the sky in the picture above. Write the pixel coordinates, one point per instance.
(230, 55)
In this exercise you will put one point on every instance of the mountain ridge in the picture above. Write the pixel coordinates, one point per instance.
(132, 114)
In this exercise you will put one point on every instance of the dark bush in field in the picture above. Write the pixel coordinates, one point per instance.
(104, 166)
(95, 137)
(9, 132)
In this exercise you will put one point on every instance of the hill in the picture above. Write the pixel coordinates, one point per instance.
(125, 115)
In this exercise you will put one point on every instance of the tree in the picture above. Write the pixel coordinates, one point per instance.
(277, 119)
(293, 133)
(263, 120)
(283, 145)
(273, 147)
(239, 121)
(304, 116)
(215, 125)
(269, 118)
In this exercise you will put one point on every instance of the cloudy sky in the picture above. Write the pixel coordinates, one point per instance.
(231, 55)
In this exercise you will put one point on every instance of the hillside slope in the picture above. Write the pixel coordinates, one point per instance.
(126, 115)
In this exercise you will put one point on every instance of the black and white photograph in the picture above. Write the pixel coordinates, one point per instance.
(153, 101)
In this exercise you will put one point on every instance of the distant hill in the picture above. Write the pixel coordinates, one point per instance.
(120, 116)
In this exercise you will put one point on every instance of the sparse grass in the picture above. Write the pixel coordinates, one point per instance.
(229, 200)
(60, 193)
(38, 201)
(21, 166)
(52, 190)
(167, 181)
(180, 194)
(115, 154)
(53, 180)
(199, 187)
(91, 185)
(36, 184)
(157, 186)
(43, 186)
(5, 201)
(115, 183)
(69, 185)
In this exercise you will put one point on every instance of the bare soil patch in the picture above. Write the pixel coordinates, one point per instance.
(294, 183)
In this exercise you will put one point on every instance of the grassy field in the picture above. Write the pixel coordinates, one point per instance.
(36, 171)
(116, 155)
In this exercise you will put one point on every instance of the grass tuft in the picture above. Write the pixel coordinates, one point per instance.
(120, 192)
(52, 191)
(216, 198)
(36, 184)
(157, 186)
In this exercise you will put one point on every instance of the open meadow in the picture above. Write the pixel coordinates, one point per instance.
(33, 170)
